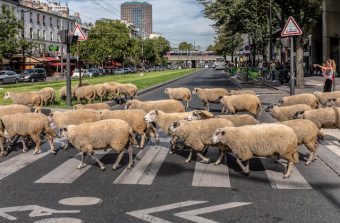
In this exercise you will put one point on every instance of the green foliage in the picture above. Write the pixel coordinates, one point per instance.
(155, 49)
(9, 26)
(184, 46)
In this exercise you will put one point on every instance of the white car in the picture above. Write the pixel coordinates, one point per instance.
(84, 73)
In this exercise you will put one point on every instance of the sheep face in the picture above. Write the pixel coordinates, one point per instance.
(195, 115)
(7, 95)
(269, 108)
(299, 115)
(174, 127)
(127, 104)
(195, 90)
(217, 135)
(166, 91)
(63, 132)
(151, 116)
(330, 102)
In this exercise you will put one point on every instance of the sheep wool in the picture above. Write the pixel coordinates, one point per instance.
(210, 95)
(322, 117)
(307, 98)
(101, 91)
(182, 94)
(167, 106)
(87, 92)
(25, 98)
(48, 95)
(244, 102)
(96, 106)
(323, 97)
(286, 113)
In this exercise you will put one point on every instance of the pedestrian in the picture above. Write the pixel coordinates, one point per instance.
(334, 73)
(327, 72)
(260, 66)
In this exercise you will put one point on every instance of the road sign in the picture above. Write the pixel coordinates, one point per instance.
(80, 33)
(291, 28)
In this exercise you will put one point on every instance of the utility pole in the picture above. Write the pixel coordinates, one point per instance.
(68, 67)
(270, 32)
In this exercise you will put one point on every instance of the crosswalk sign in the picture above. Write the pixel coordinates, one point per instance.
(291, 28)
(79, 32)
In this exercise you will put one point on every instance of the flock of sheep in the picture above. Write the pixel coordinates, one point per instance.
(94, 127)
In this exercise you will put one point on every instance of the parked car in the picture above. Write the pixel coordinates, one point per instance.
(84, 73)
(101, 71)
(119, 71)
(93, 72)
(33, 75)
(127, 70)
(7, 76)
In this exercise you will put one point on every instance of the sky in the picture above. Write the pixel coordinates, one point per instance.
(176, 20)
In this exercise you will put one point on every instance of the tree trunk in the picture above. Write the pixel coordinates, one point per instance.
(299, 66)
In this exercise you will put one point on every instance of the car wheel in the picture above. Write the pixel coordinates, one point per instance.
(32, 79)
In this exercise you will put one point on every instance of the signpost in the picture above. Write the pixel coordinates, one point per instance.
(81, 37)
(291, 29)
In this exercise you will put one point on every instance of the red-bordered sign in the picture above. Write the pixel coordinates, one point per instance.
(291, 28)
(79, 32)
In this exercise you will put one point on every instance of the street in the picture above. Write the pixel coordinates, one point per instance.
(162, 188)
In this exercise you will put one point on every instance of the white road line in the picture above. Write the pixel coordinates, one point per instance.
(18, 162)
(146, 167)
(67, 172)
(275, 175)
(209, 175)
(334, 148)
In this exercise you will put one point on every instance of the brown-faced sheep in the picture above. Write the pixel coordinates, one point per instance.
(167, 106)
(286, 113)
(333, 102)
(85, 92)
(210, 95)
(48, 95)
(323, 97)
(198, 135)
(96, 106)
(323, 117)
(25, 98)
(259, 140)
(101, 91)
(238, 92)
(63, 93)
(244, 102)
(182, 94)
(113, 134)
(307, 134)
(237, 120)
(308, 99)
(27, 124)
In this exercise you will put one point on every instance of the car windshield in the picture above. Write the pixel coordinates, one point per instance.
(2, 72)
(28, 71)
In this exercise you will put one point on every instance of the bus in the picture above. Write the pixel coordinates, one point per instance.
(220, 63)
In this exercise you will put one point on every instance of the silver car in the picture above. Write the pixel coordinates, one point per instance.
(7, 76)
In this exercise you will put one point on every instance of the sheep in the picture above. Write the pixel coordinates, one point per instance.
(26, 98)
(164, 121)
(237, 120)
(259, 140)
(323, 97)
(307, 134)
(210, 95)
(244, 102)
(182, 93)
(101, 91)
(96, 106)
(27, 124)
(113, 90)
(322, 117)
(128, 90)
(48, 95)
(333, 102)
(308, 99)
(286, 113)
(13, 109)
(63, 93)
(89, 137)
(134, 117)
(198, 135)
(167, 106)
(86, 92)
(238, 92)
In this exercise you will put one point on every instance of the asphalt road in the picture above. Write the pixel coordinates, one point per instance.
(33, 189)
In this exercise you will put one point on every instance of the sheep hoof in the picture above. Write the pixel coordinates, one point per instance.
(37, 152)
(187, 161)
(3, 154)
(217, 163)
(54, 152)
(80, 166)
(207, 161)
(116, 167)
(130, 165)
(24, 150)
(102, 168)
(285, 176)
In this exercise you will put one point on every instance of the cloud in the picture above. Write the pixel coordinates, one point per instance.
(176, 20)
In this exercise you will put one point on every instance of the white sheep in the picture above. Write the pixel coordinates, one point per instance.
(259, 140)
(101, 91)
(167, 106)
(87, 92)
(48, 95)
(182, 94)
(95, 106)
(286, 113)
(323, 97)
(26, 98)
(210, 95)
(333, 102)
(106, 134)
(306, 98)
(128, 90)
(323, 117)
(244, 102)
(238, 92)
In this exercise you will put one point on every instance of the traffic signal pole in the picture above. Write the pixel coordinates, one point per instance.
(68, 66)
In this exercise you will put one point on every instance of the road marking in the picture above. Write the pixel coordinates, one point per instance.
(18, 162)
(192, 215)
(210, 175)
(147, 164)
(334, 148)
(67, 172)
(144, 214)
(60, 220)
(80, 201)
(275, 171)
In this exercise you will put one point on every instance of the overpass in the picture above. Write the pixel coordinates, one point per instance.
(192, 57)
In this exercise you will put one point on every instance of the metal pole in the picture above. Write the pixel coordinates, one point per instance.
(62, 60)
(270, 32)
(68, 66)
(292, 82)
(78, 62)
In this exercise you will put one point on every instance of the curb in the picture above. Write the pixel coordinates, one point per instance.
(139, 93)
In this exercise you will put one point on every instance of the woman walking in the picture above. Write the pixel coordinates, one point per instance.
(327, 72)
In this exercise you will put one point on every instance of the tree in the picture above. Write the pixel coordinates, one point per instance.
(227, 44)
(306, 13)
(155, 50)
(184, 46)
(211, 48)
(9, 26)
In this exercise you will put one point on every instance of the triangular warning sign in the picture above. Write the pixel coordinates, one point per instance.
(291, 28)
(79, 32)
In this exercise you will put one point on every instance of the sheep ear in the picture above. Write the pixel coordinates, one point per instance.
(156, 112)
(223, 132)
(334, 99)
(176, 124)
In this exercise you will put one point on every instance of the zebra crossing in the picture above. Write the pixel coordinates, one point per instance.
(148, 162)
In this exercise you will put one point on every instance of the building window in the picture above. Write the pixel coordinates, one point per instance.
(31, 16)
(31, 33)
(38, 19)
(51, 21)
(22, 15)
(58, 37)
(51, 36)
(58, 23)
(38, 33)
(44, 35)
(43, 19)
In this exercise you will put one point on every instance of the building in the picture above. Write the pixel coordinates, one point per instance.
(140, 15)
(155, 35)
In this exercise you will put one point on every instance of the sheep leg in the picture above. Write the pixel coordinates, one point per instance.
(310, 158)
(189, 157)
(37, 141)
(173, 145)
(142, 140)
(24, 147)
(289, 170)
(245, 169)
(50, 141)
(130, 165)
(2, 148)
(204, 159)
(102, 167)
(116, 165)
(219, 160)
(187, 106)
(82, 164)
(223, 109)
(205, 106)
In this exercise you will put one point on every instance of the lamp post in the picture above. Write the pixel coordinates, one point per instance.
(68, 67)
(270, 31)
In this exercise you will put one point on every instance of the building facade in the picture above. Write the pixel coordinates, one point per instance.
(140, 15)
